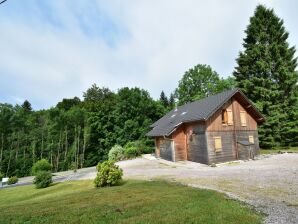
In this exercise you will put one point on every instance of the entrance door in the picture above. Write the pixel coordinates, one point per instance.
(167, 150)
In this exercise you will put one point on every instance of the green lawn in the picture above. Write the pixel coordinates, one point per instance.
(279, 150)
(133, 202)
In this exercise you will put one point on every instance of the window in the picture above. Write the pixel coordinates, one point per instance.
(230, 117)
(224, 116)
(251, 139)
(243, 118)
(217, 144)
(227, 117)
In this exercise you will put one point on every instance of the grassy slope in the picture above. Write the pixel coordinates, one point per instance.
(278, 150)
(133, 202)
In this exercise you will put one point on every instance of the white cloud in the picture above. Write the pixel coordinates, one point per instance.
(44, 63)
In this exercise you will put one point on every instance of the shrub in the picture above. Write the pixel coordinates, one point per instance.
(12, 180)
(41, 165)
(43, 179)
(109, 174)
(136, 148)
(131, 151)
(116, 153)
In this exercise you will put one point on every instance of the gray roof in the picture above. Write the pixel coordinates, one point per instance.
(199, 110)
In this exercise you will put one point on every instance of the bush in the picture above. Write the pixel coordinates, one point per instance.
(108, 174)
(41, 165)
(131, 151)
(116, 153)
(43, 179)
(12, 180)
(136, 148)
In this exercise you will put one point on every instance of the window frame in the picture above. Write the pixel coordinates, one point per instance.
(224, 117)
(217, 149)
(230, 116)
(243, 117)
(251, 139)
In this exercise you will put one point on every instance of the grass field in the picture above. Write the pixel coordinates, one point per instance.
(133, 202)
(280, 150)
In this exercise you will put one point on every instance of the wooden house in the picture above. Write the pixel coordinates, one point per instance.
(219, 128)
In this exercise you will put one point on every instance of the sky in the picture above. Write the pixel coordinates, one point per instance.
(55, 49)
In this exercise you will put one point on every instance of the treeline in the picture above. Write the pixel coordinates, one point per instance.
(74, 133)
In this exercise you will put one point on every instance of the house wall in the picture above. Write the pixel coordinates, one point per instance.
(243, 150)
(230, 134)
(196, 144)
(215, 122)
(157, 146)
(179, 139)
(228, 152)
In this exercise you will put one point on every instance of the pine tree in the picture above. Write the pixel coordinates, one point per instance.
(172, 101)
(163, 99)
(266, 74)
(27, 106)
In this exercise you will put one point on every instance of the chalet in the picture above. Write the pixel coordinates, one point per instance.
(219, 128)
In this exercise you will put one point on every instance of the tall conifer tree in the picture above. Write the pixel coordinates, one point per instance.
(163, 99)
(266, 74)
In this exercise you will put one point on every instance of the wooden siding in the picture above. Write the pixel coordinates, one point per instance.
(196, 145)
(215, 122)
(180, 144)
(251, 124)
(243, 152)
(227, 153)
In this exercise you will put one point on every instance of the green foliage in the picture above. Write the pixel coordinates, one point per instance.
(163, 99)
(136, 148)
(41, 165)
(266, 74)
(43, 179)
(199, 82)
(1, 176)
(116, 153)
(12, 180)
(67, 104)
(27, 106)
(131, 151)
(75, 132)
(108, 174)
(140, 202)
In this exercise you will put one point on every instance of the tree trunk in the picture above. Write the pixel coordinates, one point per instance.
(18, 146)
(33, 150)
(52, 154)
(58, 154)
(66, 145)
(84, 146)
(78, 147)
(10, 153)
(1, 153)
(75, 148)
(42, 143)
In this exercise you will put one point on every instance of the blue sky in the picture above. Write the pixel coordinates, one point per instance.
(54, 49)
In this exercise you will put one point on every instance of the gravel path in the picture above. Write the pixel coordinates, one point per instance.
(269, 183)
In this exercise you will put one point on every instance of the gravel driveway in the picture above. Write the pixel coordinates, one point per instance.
(269, 183)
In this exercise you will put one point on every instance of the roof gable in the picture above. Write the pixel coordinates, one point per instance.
(200, 110)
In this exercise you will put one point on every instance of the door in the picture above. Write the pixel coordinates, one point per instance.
(167, 150)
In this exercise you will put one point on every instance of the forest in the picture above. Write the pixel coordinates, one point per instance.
(80, 132)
